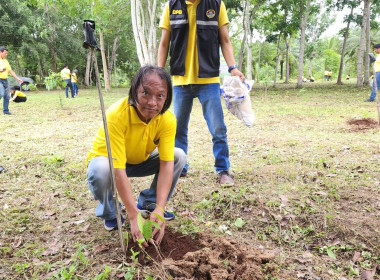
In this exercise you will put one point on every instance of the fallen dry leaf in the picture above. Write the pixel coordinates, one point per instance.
(368, 274)
(284, 200)
(321, 193)
(285, 219)
(78, 222)
(20, 240)
(49, 214)
(84, 228)
(356, 256)
(100, 249)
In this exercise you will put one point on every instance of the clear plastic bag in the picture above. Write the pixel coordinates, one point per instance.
(238, 101)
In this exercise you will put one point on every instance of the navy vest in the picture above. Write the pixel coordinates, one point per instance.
(207, 37)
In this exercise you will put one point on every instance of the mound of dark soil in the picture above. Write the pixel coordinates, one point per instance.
(207, 257)
(174, 245)
(362, 124)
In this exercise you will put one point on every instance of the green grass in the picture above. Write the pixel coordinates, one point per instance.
(301, 148)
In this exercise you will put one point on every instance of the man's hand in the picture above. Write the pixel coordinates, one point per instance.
(135, 231)
(236, 72)
(20, 81)
(158, 234)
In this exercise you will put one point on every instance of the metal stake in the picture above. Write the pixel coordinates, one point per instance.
(114, 190)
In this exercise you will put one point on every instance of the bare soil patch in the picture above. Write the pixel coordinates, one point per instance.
(206, 257)
(362, 124)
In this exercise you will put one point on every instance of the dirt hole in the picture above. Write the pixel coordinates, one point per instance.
(207, 257)
(362, 124)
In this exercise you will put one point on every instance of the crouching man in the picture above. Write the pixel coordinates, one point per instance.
(142, 133)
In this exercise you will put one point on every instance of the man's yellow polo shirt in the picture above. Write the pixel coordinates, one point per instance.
(4, 64)
(131, 139)
(65, 74)
(377, 63)
(191, 61)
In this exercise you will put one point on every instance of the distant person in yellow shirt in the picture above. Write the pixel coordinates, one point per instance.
(193, 31)
(17, 96)
(66, 76)
(74, 82)
(142, 132)
(5, 68)
(377, 76)
(326, 75)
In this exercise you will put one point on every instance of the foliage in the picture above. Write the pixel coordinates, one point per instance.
(332, 61)
(54, 81)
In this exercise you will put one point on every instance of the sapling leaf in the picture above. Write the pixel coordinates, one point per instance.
(156, 225)
(147, 229)
(239, 222)
(331, 253)
(140, 222)
(159, 217)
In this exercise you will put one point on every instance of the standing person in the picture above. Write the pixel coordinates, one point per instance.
(194, 30)
(74, 82)
(330, 75)
(377, 75)
(5, 68)
(66, 76)
(142, 133)
(326, 75)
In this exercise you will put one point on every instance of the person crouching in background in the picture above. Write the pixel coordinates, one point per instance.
(17, 96)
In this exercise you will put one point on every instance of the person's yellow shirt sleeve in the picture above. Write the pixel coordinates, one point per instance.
(165, 19)
(167, 136)
(377, 63)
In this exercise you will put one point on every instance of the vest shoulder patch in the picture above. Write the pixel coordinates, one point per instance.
(210, 13)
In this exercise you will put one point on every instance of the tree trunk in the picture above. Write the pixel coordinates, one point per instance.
(51, 40)
(114, 67)
(368, 46)
(287, 72)
(249, 56)
(41, 73)
(135, 33)
(152, 45)
(277, 59)
(339, 81)
(302, 43)
(141, 31)
(258, 65)
(310, 72)
(104, 62)
(19, 68)
(113, 56)
(88, 66)
(281, 69)
(245, 31)
(359, 82)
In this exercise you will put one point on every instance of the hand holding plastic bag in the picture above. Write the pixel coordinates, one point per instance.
(238, 101)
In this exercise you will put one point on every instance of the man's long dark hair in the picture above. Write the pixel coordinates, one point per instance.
(139, 80)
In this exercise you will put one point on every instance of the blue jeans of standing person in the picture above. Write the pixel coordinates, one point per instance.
(69, 85)
(99, 182)
(373, 92)
(209, 96)
(6, 94)
(75, 88)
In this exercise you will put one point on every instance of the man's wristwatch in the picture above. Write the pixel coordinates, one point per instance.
(232, 67)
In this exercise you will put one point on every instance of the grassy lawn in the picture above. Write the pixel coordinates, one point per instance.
(307, 186)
